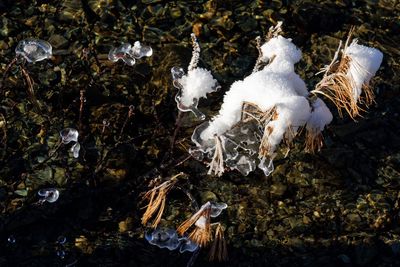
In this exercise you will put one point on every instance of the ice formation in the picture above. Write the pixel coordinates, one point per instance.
(48, 194)
(128, 53)
(320, 117)
(272, 104)
(346, 79)
(278, 99)
(168, 238)
(193, 85)
(34, 50)
(201, 220)
(364, 63)
(71, 135)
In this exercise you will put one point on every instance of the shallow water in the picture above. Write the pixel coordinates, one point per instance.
(337, 207)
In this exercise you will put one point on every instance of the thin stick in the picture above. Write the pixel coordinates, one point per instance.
(173, 139)
(31, 93)
(131, 112)
(195, 54)
(12, 63)
(81, 106)
(4, 138)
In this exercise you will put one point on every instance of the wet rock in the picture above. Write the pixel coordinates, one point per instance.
(58, 41)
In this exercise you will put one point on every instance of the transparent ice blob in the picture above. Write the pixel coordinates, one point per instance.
(168, 238)
(177, 73)
(61, 253)
(217, 208)
(34, 50)
(61, 240)
(49, 194)
(266, 167)
(163, 238)
(138, 50)
(75, 150)
(193, 108)
(128, 53)
(11, 239)
(187, 245)
(69, 135)
(240, 147)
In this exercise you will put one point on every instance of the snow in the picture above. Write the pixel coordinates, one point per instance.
(197, 83)
(365, 61)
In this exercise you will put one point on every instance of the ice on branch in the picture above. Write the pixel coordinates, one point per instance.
(201, 224)
(272, 105)
(257, 113)
(168, 238)
(320, 117)
(34, 50)
(193, 85)
(128, 53)
(346, 80)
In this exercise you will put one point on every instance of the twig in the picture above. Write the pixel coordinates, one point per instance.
(259, 62)
(81, 106)
(195, 54)
(31, 93)
(131, 112)
(173, 139)
(12, 63)
(4, 138)
(51, 154)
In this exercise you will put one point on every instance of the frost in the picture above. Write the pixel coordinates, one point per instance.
(364, 63)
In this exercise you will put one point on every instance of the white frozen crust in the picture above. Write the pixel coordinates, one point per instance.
(293, 113)
(264, 89)
(282, 47)
(320, 116)
(365, 61)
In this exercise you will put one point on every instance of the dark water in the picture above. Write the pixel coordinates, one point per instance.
(337, 207)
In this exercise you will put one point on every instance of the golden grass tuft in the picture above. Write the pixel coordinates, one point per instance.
(314, 141)
(216, 165)
(201, 234)
(156, 201)
(338, 86)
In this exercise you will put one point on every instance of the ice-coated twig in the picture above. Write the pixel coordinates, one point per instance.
(259, 61)
(274, 31)
(344, 80)
(201, 234)
(328, 68)
(194, 84)
(201, 219)
(195, 54)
